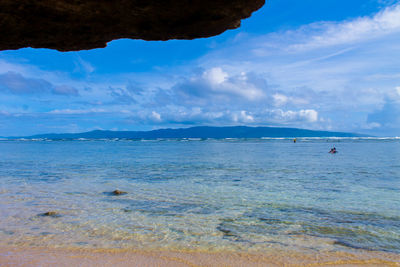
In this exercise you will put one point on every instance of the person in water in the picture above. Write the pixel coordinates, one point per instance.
(333, 150)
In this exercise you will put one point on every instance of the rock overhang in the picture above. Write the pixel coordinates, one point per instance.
(72, 25)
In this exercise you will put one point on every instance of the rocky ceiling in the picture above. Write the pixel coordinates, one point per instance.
(71, 25)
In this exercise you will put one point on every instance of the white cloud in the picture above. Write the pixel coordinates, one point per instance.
(76, 111)
(308, 115)
(65, 90)
(361, 29)
(155, 116)
(242, 117)
(279, 99)
(15, 83)
(84, 66)
(215, 76)
(217, 84)
(238, 85)
(372, 125)
(398, 90)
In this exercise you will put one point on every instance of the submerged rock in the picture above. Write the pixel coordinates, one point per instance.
(225, 232)
(53, 214)
(118, 192)
(126, 210)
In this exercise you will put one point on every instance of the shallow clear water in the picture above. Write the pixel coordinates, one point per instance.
(210, 194)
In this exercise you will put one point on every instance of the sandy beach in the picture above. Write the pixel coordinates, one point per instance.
(24, 256)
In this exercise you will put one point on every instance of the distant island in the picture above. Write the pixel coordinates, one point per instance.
(199, 132)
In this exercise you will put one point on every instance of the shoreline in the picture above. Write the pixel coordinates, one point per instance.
(39, 256)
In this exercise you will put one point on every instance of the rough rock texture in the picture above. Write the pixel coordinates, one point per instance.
(69, 25)
(118, 192)
(53, 214)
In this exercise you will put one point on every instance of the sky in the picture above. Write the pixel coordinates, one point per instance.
(321, 65)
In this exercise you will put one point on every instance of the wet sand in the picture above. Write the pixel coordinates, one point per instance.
(21, 256)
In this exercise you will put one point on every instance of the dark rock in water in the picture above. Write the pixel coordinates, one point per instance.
(270, 220)
(53, 214)
(126, 210)
(226, 232)
(118, 192)
(45, 233)
(347, 244)
(71, 25)
(7, 232)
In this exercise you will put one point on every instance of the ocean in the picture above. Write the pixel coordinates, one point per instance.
(202, 195)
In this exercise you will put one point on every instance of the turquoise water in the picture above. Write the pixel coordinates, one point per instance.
(202, 194)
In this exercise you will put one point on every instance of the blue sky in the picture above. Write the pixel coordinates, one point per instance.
(330, 65)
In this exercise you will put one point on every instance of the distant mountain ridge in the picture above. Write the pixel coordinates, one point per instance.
(201, 132)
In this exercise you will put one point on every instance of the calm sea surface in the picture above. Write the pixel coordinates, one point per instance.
(202, 194)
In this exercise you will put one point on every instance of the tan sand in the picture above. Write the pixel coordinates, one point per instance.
(18, 256)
